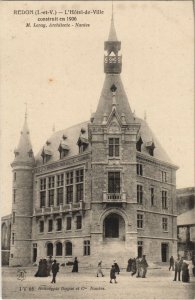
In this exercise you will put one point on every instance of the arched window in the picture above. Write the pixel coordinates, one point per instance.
(49, 249)
(68, 249)
(4, 236)
(58, 249)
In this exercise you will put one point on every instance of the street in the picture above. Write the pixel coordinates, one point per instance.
(159, 284)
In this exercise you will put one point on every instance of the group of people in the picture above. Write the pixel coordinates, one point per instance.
(180, 265)
(47, 266)
(138, 266)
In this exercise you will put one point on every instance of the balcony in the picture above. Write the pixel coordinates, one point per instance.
(59, 209)
(114, 197)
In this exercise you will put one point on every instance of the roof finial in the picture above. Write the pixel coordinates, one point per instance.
(26, 110)
(112, 12)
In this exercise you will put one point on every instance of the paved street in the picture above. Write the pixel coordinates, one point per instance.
(159, 284)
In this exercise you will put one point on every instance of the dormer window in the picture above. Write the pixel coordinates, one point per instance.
(82, 141)
(30, 153)
(63, 148)
(114, 147)
(46, 155)
(139, 144)
(150, 147)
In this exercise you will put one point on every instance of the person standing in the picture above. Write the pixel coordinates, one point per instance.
(185, 272)
(55, 270)
(112, 274)
(49, 265)
(144, 266)
(171, 263)
(178, 265)
(99, 269)
(133, 267)
(138, 266)
(129, 265)
(117, 269)
(75, 266)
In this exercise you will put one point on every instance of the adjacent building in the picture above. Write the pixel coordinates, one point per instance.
(103, 189)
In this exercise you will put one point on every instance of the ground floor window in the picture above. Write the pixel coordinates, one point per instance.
(49, 249)
(139, 248)
(68, 249)
(86, 247)
(59, 249)
(164, 252)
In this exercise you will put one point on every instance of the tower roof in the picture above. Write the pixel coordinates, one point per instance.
(106, 100)
(24, 153)
(112, 37)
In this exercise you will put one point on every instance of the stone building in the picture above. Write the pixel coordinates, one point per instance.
(186, 221)
(103, 189)
(5, 239)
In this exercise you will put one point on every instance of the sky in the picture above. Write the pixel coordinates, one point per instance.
(58, 72)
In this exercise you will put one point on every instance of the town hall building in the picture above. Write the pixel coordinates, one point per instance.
(100, 190)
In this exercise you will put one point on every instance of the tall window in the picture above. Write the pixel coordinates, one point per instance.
(50, 225)
(59, 196)
(68, 223)
(86, 249)
(139, 169)
(114, 182)
(165, 224)
(139, 194)
(164, 199)
(49, 249)
(51, 185)
(14, 176)
(139, 221)
(113, 147)
(78, 222)
(164, 176)
(68, 249)
(41, 226)
(42, 192)
(152, 196)
(79, 185)
(58, 249)
(13, 217)
(69, 187)
(13, 238)
(58, 224)
(14, 196)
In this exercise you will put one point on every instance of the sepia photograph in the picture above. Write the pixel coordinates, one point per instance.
(97, 150)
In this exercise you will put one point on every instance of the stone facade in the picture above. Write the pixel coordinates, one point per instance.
(101, 190)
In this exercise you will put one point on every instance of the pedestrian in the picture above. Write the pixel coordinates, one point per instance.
(144, 266)
(117, 269)
(55, 270)
(49, 265)
(99, 269)
(185, 272)
(138, 266)
(178, 265)
(129, 265)
(133, 267)
(171, 263)
(112, 274)
(38, 273)
(75, 266)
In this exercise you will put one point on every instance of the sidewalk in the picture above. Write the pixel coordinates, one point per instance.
(159, 284)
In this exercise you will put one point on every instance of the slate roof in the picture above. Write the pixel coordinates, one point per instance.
(24, 147)
(73, 134)
(186, 218)
(105, 101)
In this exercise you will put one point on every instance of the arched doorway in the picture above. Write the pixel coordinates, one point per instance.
(114, 227)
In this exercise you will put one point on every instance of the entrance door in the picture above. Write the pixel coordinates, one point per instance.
(34, 254)
(112, 227)
(164, 252)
